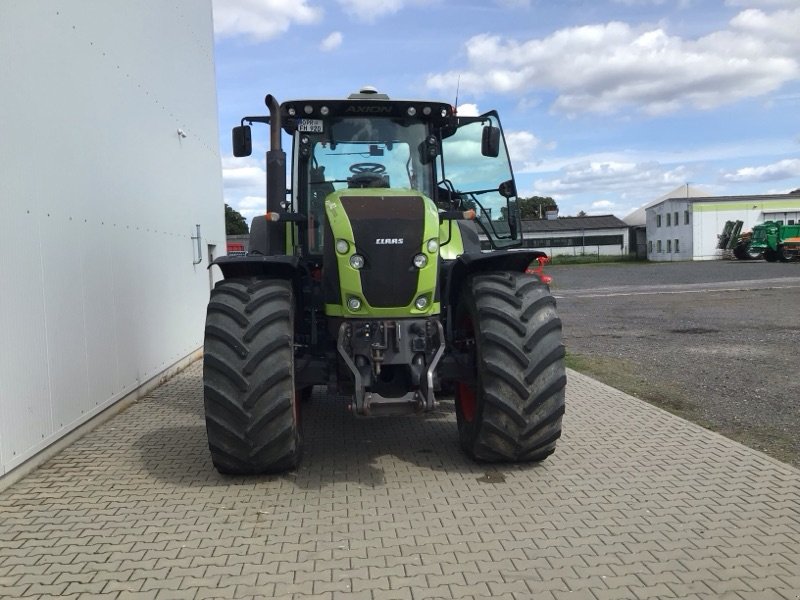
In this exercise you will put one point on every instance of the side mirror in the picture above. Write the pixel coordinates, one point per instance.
(508, 189)
(490, 141)
(242, 141)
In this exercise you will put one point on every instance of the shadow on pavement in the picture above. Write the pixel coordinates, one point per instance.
(338, 448)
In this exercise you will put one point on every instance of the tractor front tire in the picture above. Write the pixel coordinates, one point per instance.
(743, 252)
(252, 413)
(512, 412)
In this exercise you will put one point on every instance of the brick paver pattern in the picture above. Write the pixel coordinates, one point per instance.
(635, 503)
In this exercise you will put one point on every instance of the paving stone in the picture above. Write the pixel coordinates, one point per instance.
(635, 503)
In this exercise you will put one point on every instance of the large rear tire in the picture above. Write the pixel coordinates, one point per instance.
(513, 411)
(743, 252)
(252, 414)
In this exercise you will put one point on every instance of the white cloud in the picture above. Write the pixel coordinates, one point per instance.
(605, 68)
(761, 3)
(783, 169)
(333, 41)
(242, 173)
(468, 110)
(261, 20)
(244, 185)
(521, 145)
(513, 3)
(627, 180)
(640, 2)
(253, 203)
(603, 205)
(371, 10)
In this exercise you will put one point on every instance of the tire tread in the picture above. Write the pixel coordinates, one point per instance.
(248, 377)
(520, 360)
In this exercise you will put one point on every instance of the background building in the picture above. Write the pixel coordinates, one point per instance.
(606, 235)
(108, 161)
(572, 236)
(637, 220)
(688, 228)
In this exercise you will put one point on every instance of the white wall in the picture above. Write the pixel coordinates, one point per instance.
(99, 199)
(668, 233)
(710, 223)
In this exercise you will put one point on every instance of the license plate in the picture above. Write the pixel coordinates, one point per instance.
(310, 125)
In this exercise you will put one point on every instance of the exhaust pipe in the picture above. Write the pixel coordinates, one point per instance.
(276, 160)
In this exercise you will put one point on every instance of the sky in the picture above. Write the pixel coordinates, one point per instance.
(606, 105)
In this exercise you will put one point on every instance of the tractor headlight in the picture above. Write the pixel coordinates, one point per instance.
(433, 245)
(342, 247)
(421, 302)
(420, 260)
(353, 303)
(357, 261)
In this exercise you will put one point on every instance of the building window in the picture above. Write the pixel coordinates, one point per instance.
(658, 246)
(668, 218)
(791, 221)
(669, 246)
(675, 218)
(677, 246)
(575, 241)
(686, 217)
(658, 220)
(650, 247)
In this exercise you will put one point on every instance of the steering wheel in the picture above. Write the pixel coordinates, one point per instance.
(370, 168)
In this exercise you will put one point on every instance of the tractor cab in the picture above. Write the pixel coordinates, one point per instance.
(368, 141)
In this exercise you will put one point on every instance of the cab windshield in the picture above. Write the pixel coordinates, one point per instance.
(363, 152)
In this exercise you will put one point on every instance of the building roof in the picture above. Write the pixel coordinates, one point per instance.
(639, 216)
(573, 224)
(746, 198)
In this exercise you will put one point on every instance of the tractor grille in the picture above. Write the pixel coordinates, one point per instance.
(387, 231)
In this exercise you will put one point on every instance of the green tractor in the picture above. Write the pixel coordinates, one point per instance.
(386, 278)
(777, 242)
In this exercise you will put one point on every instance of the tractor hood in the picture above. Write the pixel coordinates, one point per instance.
(379, 257)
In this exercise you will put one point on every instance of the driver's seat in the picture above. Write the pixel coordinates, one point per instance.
(368, 180)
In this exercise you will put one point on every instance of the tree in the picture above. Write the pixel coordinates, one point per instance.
(582, 213)
(235, 223)
(534, 207)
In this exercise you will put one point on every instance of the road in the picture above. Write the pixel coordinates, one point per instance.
(715, 342)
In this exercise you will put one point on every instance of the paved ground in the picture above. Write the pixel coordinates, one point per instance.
(709, 341)
(635, 503)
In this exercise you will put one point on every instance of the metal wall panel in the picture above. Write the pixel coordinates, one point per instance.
(99, 197)
(25, 407)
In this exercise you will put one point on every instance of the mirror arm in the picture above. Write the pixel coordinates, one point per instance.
(252, 120)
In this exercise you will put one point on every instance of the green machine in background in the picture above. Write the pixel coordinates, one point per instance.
(772, 240)
(391, 270)
(777, 242)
